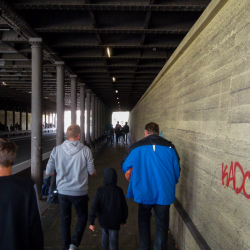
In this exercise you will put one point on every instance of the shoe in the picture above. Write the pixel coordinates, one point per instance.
(72, 247)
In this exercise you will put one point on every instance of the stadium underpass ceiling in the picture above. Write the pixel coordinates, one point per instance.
(140, 34)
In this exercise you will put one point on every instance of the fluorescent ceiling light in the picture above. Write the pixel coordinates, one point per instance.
(113, 79)
(117, 98)
(116, 91)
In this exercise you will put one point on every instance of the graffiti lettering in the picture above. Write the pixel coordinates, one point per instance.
(231, 177)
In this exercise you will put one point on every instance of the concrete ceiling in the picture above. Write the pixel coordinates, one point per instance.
(141, 36)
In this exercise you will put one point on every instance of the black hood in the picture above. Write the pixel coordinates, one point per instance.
(110, 176)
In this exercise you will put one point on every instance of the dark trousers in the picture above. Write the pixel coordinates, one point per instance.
(112, 236)
(125, 137)
(81, 206)
(162, 222)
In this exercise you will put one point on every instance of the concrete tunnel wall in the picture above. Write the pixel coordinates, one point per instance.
(201, 101)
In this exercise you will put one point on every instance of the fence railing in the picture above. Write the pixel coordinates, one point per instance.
(23, 132)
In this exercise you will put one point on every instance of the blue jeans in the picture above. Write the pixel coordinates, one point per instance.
(81, 206)
(162, 222)
(112, 236)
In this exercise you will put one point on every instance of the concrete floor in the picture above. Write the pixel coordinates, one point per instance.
(106, 156)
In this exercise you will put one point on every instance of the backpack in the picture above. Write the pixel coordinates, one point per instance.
(53, 194)
(49, 189)
(45, 187)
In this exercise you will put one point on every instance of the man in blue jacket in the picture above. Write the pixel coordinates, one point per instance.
(155, 173)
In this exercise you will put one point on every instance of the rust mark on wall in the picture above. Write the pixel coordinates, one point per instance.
(229, 175)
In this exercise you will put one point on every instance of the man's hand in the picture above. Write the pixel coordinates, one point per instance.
(53, 174)
(94, 174)
(92, 227)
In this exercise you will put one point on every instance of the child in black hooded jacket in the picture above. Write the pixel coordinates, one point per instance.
(111, 208)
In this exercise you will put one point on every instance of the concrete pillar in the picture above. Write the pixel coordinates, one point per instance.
(27, 119)
(21, 118)
(60, 102)
(5, 118)
(88, 118)
(82, 109)
(93, 120)
(36, 110)
(73, 98)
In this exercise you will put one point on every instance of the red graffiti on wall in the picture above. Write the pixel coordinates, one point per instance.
(231, 176)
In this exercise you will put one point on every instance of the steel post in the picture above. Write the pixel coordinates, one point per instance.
(99, 119)
(60, 102)
(93, 121)
(45, 119)
(96, 120)
(88, 118)
(14, 117)
(36, 110)
(5, 118)
(27, 119)
(21, 119)
(82, 109)
(73, 98)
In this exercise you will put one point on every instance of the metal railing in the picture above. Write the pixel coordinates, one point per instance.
(23, 132)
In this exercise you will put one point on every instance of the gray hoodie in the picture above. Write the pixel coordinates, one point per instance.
(72, 162)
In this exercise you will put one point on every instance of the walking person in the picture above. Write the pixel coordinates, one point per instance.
(118, 131)
(111, 133)
(20, 220)
(72, 162)
(125, 131)
(111, 208)
(155, 173)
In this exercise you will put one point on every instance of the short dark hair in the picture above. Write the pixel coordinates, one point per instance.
(7, 152)
(73, 131)
(152, 128)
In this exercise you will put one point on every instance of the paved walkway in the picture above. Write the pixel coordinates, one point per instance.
(106, 156)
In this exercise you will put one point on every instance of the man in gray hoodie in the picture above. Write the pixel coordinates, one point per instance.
(72, 162)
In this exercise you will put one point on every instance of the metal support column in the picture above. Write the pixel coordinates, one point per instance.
(45, 119)
(55, 120)
(82, 109)
(60, 102)
(96, 121)
(6, 118)
(93, 121)
(27, 119)
(36, 110)
(21, 119)
(99, 120)
(14, 117)
(73, 98)
(88, 118)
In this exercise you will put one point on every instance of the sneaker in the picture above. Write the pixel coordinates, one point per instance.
(72, 247)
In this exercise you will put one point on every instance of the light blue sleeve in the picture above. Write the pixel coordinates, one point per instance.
(90, 161)
(128, 163)
(50, 168)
